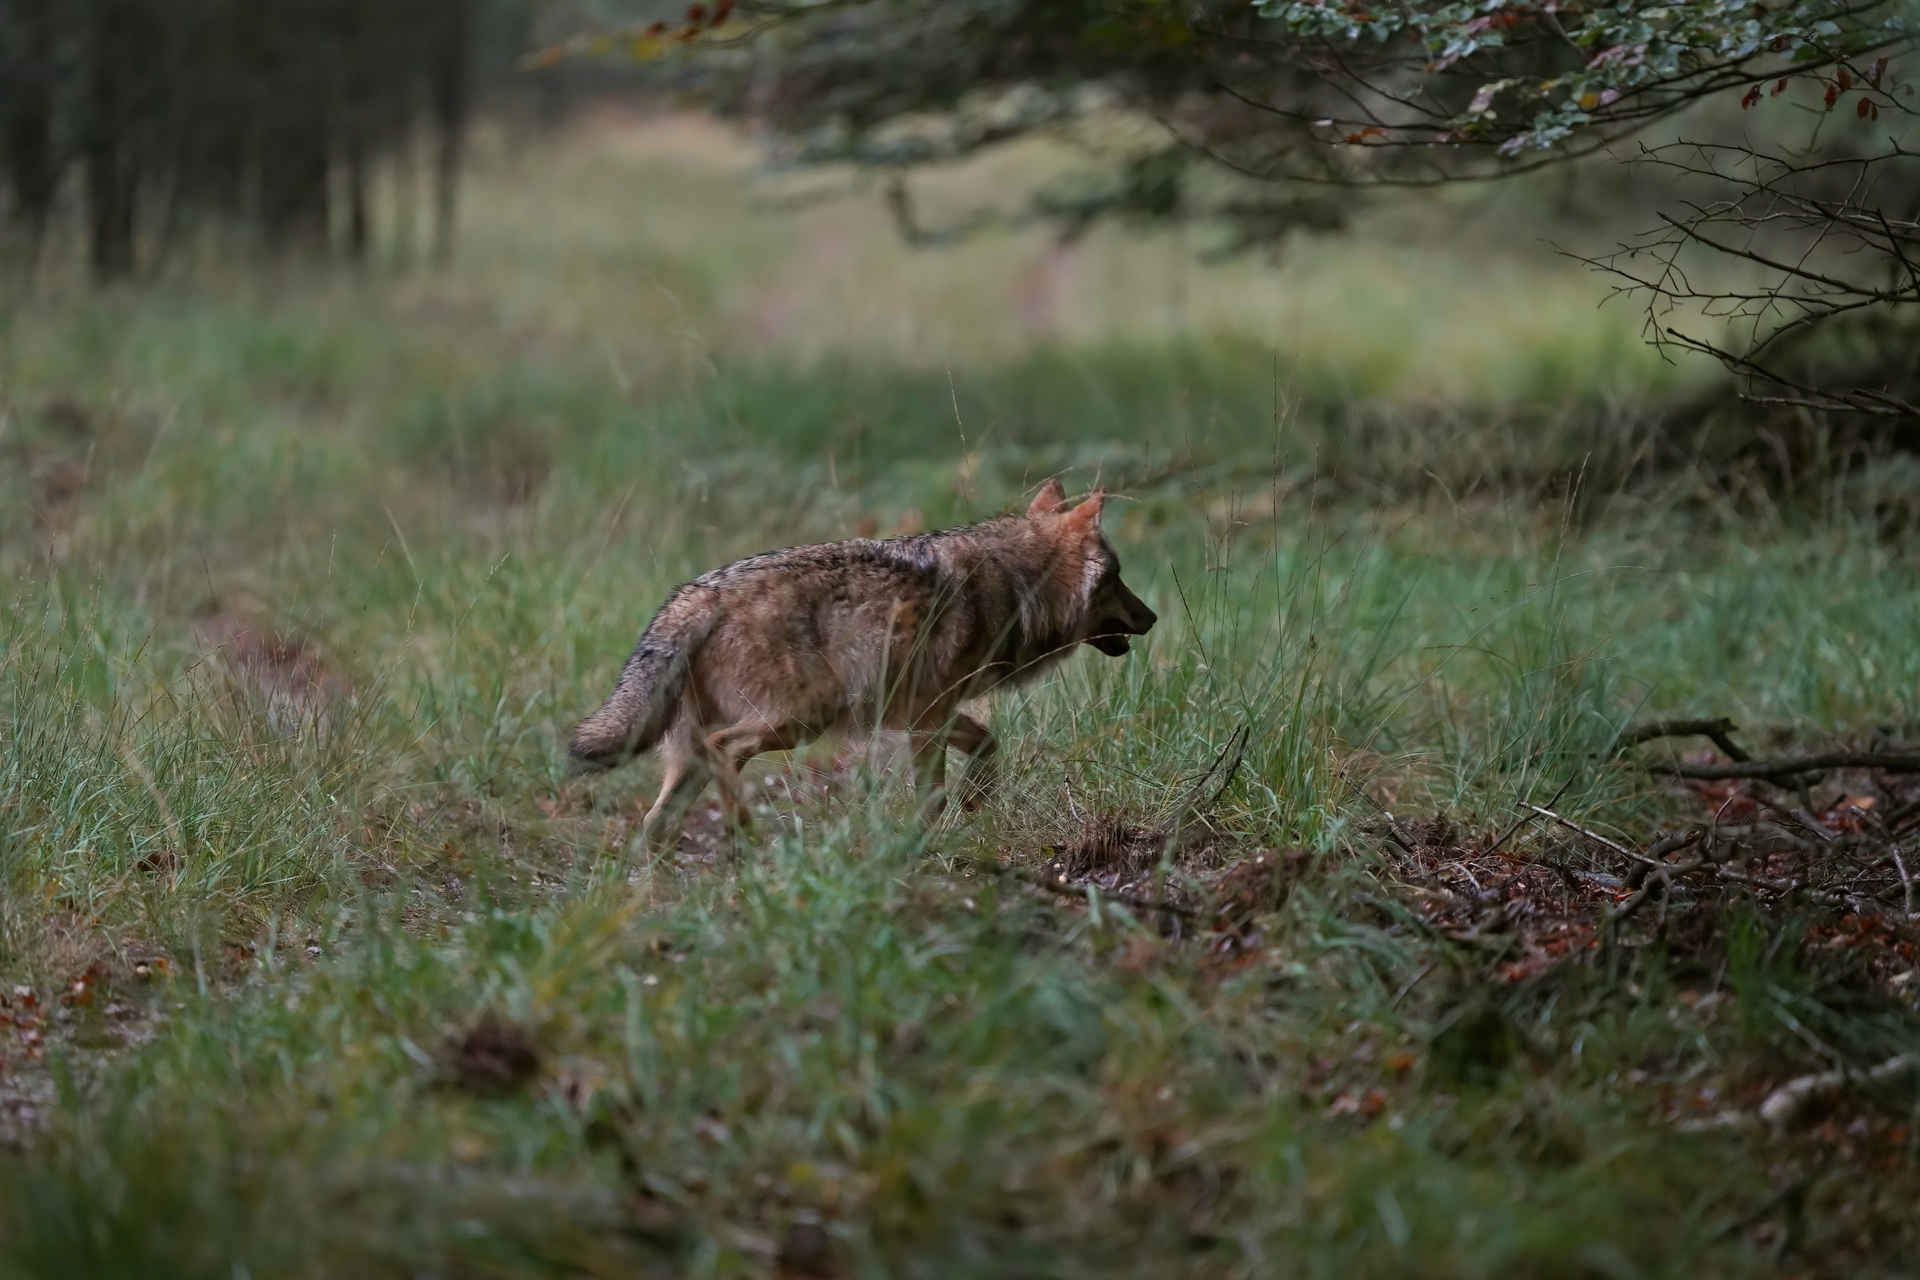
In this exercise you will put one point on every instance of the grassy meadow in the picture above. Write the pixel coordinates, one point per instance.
(314, 962)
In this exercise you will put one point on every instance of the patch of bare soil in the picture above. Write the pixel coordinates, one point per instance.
(286, 673)
(89, 1020)
(493, 1058)
(1195, 882)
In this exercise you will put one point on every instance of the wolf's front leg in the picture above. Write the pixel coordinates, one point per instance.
(929, 773)
(971, 739)
(730, 748)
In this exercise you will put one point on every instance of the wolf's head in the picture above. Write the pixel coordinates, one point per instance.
(1105, 611)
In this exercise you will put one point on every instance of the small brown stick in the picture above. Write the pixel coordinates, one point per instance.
(1656, 857)
(1906, 882)
(1595, 836)
(1515, 828)
(1895, 817)
(1787, 767)
(1718, 731)
(1394, 833)
(1664, 874)
(1410, 984)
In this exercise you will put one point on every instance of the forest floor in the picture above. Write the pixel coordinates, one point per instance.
(1359, 923)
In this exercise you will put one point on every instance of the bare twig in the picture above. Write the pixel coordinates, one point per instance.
(1654, 859)
(1824, 406)
(1788, 766)
(1790, 1101)
(1594, 836)
(1394, 832)
(1719, 731)
(1532, 817)
(1895, 818)
(1411, 983)
(1663, 875)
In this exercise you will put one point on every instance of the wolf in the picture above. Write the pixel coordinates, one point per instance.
(771, 652)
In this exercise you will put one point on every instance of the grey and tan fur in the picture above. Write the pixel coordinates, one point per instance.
(775, 650)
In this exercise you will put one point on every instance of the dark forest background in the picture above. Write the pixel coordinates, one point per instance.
(157, 119)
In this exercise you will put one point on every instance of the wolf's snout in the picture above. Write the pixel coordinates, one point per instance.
(1130, 617)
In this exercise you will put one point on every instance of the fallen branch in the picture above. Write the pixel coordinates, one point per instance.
(1825, 897)
(1662, 873)
(1655, 859)
(1787, 767)
(1790, 1101)
(1719, 732)
(1896, 818)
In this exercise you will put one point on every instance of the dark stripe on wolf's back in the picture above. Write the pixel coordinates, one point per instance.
(914, 553)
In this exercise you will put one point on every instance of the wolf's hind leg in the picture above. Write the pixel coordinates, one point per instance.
(687, 775)
(929, 773)
(971, 739)
(684, 782)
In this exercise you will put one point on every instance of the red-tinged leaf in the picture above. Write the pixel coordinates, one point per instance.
(1779, 86)
(1876, 110)
(1875, 71)
(1864, 109)
(656, 30)
(1845, 80)
(696, 13)
(1753, 96)
(722, 11)
(690, 33)
(1833, 94)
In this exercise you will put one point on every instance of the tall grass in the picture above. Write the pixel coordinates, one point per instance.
(844, 1045)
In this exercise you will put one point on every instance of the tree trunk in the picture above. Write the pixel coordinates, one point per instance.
(31, 168)
(114, 71)
(452, 92)
(295, 127)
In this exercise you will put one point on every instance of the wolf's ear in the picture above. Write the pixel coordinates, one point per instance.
(1087, 514)
(1049, 498)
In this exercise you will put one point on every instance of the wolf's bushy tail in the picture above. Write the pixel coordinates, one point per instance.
(641, 707)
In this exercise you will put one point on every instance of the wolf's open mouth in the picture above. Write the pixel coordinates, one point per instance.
(1114, 646)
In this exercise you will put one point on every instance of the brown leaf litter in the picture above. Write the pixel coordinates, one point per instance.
(493, 1058)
